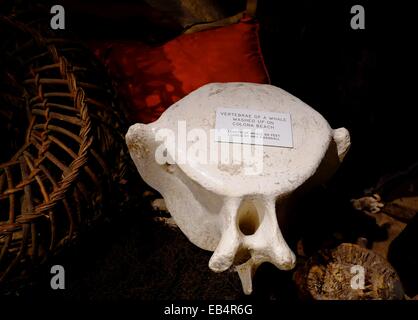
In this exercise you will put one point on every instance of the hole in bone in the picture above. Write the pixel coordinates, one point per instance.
(248, 218)
(242, 256)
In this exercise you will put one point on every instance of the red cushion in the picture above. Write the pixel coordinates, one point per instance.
(153, 78)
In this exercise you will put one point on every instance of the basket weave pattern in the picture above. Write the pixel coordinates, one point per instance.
(64, 153)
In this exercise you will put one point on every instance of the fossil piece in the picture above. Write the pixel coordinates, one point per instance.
(348, 272)
(218, 205)
(368, 204)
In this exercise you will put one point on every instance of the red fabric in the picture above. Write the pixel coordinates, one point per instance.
(153, 78)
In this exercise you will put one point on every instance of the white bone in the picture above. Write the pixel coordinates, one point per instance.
(219, 207)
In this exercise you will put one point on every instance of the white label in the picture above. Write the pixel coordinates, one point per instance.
(253, 127)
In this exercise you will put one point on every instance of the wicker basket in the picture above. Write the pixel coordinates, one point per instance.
(63, 157)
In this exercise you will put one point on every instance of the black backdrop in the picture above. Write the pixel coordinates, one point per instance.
(364, 80)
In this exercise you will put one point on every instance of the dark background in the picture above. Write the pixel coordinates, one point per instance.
(364, 80)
